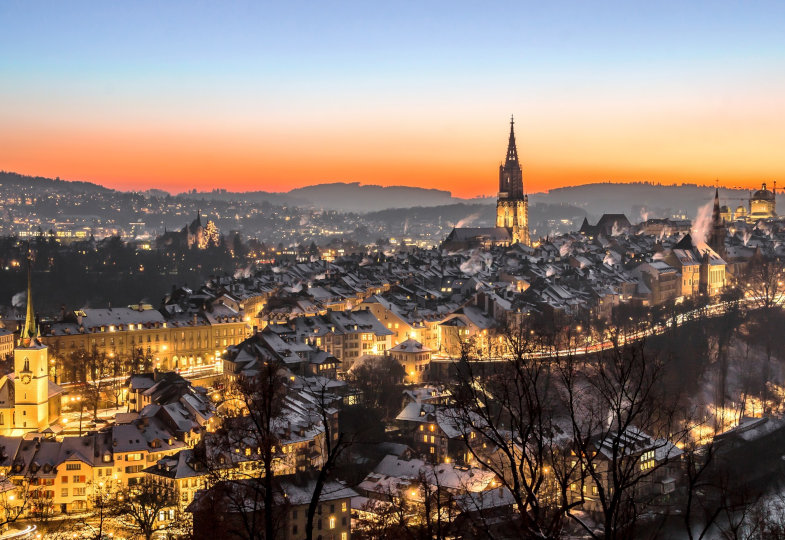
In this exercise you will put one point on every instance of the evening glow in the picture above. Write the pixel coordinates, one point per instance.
(272, 97)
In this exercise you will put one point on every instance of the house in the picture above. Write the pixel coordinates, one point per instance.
(413, 357)
(227, 509)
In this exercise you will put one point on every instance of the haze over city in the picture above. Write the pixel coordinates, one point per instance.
(258, 96)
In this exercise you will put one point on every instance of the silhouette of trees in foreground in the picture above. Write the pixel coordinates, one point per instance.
(605, 445)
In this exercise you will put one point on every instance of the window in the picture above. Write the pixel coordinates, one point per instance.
(63, 479)
(80, 491)
(294, 529)
(73, 466)
(343, 506)
(332, 522)
(79, 479)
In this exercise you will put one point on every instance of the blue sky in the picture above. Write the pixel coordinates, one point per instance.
(421, 76)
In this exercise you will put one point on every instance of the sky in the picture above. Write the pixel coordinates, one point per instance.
(273, 96)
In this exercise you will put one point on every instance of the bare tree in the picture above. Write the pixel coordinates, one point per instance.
(623, 428)
(507, 413)
(139, 505)
(764, 282)
(98, 365)
(242, 454)
(334, 442)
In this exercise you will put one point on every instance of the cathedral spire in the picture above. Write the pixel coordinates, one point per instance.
(717, 233)
(715, 215)
(512, 150)
(30, 331)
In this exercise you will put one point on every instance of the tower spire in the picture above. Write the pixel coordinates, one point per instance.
(717, 233)
(30, 331)
(512, 150)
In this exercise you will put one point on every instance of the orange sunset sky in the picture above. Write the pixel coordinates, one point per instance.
(243, 98)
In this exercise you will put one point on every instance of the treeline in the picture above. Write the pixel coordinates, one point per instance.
(95, 273)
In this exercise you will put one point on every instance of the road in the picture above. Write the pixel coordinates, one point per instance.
(712, 310)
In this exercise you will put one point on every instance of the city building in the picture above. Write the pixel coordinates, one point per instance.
(413, 357)
(763, 204)
(172, 338)
(6, 343)
(512, 209)
(231, 509)
(432, 428)
(29, 401)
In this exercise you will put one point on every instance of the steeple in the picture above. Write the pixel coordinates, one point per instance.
(512, 150)
(512, 204)
(30, 331)
(717, 233)
(715, 214)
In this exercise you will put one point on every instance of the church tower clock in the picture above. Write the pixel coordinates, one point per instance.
(31, 382)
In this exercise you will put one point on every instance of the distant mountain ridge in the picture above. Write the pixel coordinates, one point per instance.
(637, 200)
(31, 182)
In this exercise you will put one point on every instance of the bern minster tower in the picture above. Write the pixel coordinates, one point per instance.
(512, 206)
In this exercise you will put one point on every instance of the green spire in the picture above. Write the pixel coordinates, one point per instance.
(30, 330)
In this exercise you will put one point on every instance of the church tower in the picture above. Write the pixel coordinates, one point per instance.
(31, 372)
(717, 233)
(512, 205)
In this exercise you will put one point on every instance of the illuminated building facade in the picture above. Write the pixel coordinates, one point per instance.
(179, 341)
(29, 402)
(512, 205)
(512, 210)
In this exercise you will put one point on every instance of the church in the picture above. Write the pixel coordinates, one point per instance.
(29, 401)
(512, 209)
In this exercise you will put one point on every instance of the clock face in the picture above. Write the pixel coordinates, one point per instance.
(25, 378)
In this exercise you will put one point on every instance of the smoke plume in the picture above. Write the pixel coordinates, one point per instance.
(702, 223)
(467, 220)
(18, 300)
